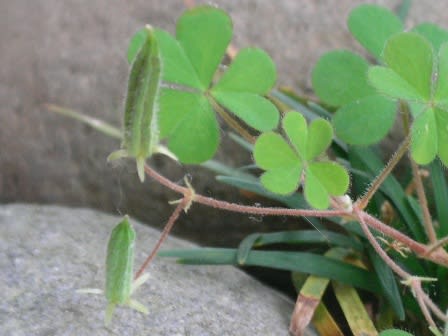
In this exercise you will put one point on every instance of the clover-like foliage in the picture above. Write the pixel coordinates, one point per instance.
(416, 71)
(340, 79)
(295, 160)
(194, 86)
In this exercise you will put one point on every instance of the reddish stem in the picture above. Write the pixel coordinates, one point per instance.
(166, 230)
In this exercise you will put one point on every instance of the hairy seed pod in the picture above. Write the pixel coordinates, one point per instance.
(120, 263)
(141, 131)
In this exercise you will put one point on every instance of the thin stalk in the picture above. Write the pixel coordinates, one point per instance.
(166, 230)
(429, 227)
(427, 221)
(396, 157)
(253, 210)
(234, 124)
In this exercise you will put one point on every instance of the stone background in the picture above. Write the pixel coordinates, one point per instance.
(72, 53)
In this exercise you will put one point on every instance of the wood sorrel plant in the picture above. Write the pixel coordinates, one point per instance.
(177, 86)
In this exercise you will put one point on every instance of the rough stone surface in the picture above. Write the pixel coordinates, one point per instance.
(47, 252)
(73, 53)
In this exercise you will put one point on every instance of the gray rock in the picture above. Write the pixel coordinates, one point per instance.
(47, 252)
(73, 53)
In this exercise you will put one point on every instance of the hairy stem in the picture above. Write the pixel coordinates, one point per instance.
(253, 210)
(166, 230)
(429, 228)
(396, 157)
(234, 124)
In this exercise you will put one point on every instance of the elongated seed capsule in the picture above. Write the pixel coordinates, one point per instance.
(141, 130)
(119, 266)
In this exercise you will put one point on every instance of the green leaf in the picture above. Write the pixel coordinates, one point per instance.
(433, 33)
(388, 82)
(315, 192)
(190, 62)
(339, 77)
(253, 109)
(284, 165)
(204, 32)
(365, 121)
(292, 261)
(332, 176)
(410, 56)
(296, 129)
(424, 139)
(272, 153)
(252, 71)
(135, 44)
(177, 67)
(188, 121)
(372, 25)
(441, 116)
(320, 134)
(441, 91)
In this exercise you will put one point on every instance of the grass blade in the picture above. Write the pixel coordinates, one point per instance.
(302, 262)
(295, 237)
(440, 191)
(354, 310)
(388, 283)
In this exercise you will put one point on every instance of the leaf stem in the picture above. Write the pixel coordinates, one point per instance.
(396, 157)
(234, 124)
(429, 228)
(223, 205)
(166, 230)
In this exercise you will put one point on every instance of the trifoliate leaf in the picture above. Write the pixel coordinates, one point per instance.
(365, 121)
(284, 160)
(372, 26)
(190, 63)
(410, 56)
(339, 77)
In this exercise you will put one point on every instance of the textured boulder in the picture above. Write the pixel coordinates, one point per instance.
(48, 252)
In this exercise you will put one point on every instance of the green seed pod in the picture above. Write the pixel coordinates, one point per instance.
(120, 263)
(141, 130)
